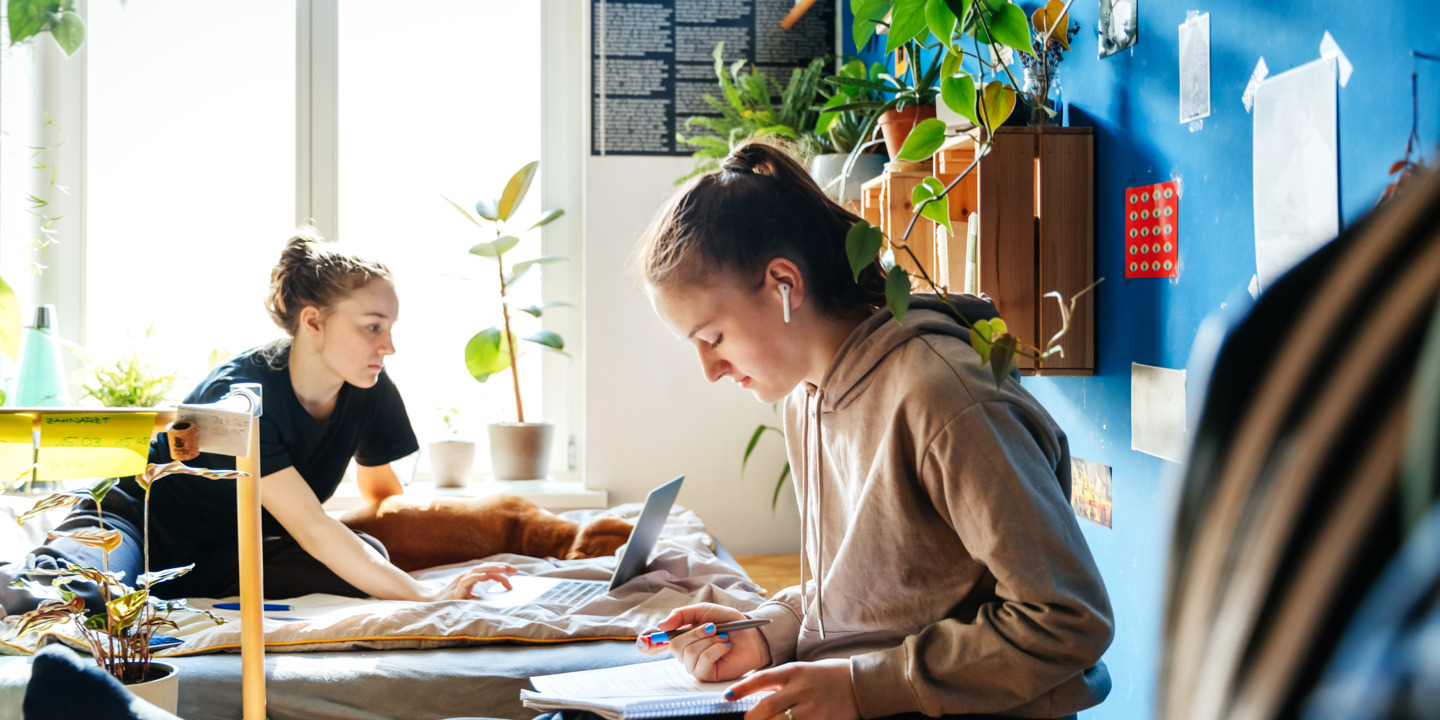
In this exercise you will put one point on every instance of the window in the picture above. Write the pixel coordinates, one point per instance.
(193, 177)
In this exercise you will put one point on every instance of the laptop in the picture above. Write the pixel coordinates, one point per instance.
(530, 590)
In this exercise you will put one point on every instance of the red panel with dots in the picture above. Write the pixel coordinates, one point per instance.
(1152, 231)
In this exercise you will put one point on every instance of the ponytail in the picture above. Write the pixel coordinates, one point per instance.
(759, 205)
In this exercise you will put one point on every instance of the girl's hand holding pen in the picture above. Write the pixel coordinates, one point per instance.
(708, 656)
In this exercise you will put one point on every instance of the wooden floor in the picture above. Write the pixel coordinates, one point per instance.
(772, 572)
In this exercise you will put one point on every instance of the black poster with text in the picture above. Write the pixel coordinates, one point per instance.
(652, 62)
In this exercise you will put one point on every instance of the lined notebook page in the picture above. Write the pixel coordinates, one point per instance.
(663, 677)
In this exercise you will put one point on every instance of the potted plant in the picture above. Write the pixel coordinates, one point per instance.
(840, 129)
(1041, 65)
(120, 638)
(452, 458)
(130, 381)
(754, 106)
(519, 450)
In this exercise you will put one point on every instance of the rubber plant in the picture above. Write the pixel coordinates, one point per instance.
(492, 350)
(27, 20)
(119, 638)
(954, 31)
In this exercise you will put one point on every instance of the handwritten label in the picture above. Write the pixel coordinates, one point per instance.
(94, 445)
(17, 447)
(225, 432)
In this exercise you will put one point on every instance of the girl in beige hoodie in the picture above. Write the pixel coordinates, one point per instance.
(944, 571)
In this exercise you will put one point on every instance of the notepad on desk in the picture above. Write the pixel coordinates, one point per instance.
(648, 690)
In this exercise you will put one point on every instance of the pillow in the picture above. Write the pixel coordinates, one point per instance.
(63, 687)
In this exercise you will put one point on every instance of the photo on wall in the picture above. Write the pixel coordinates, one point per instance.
(1119, 25)
(1090, 490)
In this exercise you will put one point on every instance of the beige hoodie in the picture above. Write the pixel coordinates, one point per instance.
(942, 554)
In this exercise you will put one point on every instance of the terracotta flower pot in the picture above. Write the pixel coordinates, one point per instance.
(897, 124)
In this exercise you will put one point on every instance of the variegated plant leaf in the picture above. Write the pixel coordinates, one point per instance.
(154, 472)
(102, 538)
(160, 576)
(49, 614)
(125, 610)
(58, 500)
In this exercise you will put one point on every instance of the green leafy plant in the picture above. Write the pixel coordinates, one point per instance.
(451, 417)
(842, 120)
(26, 20)
(120, 637)
(130, 381)
(492, 350)
(750, 448)
(954, 30)
(754, 106)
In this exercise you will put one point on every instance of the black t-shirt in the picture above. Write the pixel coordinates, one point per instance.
(370, 425)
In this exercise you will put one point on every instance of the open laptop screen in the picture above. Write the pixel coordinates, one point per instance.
(636, 555)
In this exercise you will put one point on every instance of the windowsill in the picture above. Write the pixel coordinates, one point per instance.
(551, 494)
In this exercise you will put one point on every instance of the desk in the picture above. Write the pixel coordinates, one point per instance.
(772, 572)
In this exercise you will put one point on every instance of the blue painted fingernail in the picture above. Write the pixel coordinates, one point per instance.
(729, 694)
(727, 644)
(725, 636)
(709, 627)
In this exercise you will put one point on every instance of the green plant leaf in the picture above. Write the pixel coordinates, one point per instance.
(547, 218)
(862, 245)
(27, 18)
(462, 211)
(924, 140)
(784, 473)
(897, 292)
(867, 14)
(10, 322)
(69, 32)
(998, 328)
(546, 338)
(750, 448)
(99, 490)
(907, 20)
(518, 186)
(958, 94)
(486, 354)
(159, 576)
(980, 343)
(1006, 21)
(940, 20)
(938, 210)
(495, 248)
(539, 308)
(488, 208)
(125, 610)
(996, 104)
(1003, 358)
(960, 9)
(524, 265)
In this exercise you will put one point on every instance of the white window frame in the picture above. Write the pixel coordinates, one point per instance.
(317, 187)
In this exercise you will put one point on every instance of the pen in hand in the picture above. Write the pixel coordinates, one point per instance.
(662, 638)
(267, 607)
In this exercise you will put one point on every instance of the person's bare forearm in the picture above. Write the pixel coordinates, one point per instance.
(357, 563)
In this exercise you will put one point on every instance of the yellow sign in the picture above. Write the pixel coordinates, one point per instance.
(94, 445)
(17, 447)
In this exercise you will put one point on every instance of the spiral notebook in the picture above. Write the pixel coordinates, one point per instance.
(659, 689)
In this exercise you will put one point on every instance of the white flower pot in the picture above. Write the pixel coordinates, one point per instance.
(451, 462)
(826, 168)
(520, 451)
(163, 691)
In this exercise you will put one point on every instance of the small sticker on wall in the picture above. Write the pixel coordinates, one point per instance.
(1152, 231)
(1090, 491)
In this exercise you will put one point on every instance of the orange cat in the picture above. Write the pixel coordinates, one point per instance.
(449, 530)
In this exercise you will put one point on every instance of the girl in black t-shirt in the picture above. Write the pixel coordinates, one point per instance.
(326, 400)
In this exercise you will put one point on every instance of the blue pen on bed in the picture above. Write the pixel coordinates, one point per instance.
(267, 607)
(660, 639)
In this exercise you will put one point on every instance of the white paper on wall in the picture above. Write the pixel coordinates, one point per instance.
(1195, 68)
(1297, 194)
(1157, 411)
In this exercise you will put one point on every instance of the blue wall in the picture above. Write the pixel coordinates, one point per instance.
(1132, 101)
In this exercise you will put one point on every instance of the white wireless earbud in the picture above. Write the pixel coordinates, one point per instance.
(785, 296)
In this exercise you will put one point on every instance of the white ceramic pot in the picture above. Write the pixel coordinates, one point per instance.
(451, 462)
(826, 169)
(163, 691)
(520, 451)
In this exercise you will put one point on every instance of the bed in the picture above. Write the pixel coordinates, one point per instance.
(462, 661)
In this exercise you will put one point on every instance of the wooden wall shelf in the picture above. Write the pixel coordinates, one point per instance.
(1035, 195)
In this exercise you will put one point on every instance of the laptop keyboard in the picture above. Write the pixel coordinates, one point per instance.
(571, 593)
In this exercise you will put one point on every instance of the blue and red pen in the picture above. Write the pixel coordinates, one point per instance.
(661, 639)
